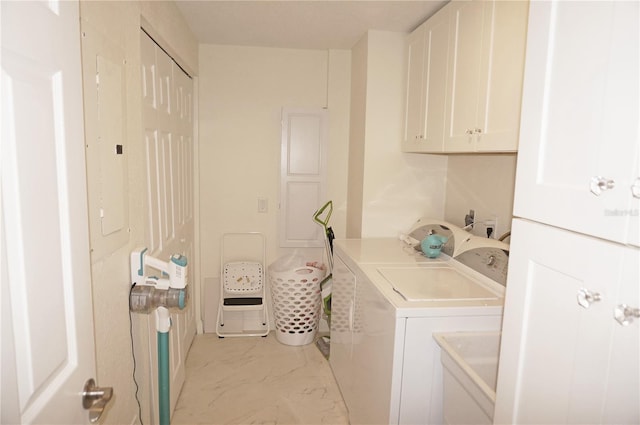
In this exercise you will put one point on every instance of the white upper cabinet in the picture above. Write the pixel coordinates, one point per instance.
(464, 83)
(579, 138)
(486, 61)
(427, 50)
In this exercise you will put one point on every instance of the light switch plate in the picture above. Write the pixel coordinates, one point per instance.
(263, 205)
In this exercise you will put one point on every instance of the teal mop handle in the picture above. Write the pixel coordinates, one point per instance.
(163, 324)
(163, 377)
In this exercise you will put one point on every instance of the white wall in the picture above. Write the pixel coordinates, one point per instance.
(388, 190)
(242, 91)
(357, 136)
(484, 183)
(112, 29)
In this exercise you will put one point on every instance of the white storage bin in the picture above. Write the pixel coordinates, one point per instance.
(297, 300)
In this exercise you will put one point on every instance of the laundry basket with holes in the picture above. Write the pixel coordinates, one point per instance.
(296, 296)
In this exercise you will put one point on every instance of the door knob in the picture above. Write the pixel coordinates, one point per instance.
(600, 184)
(94, 399)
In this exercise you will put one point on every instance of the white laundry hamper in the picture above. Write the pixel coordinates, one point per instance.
(297, 300)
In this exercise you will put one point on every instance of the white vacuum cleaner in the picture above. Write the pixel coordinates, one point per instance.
(159, 294)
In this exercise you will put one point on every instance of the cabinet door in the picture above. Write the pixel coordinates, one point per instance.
(427, 83)
(435, 79)
(579, 133)
(559, 340)
(464, 69)
(414, 113)
(486, 63)
(504, 37)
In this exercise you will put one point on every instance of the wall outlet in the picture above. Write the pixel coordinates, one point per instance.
(491, 227)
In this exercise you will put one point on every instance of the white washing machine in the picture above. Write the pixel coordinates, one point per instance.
(387, 301)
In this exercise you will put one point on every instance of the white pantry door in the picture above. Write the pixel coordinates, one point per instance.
(47, 314)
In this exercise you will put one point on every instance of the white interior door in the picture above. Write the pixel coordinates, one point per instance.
(47, 320)
(303, 175)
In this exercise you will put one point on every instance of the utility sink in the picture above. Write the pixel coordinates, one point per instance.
(470, 369)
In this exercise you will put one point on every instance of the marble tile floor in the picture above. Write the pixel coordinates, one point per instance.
(257, 380)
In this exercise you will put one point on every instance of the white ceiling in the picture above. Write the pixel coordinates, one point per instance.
(307, 24)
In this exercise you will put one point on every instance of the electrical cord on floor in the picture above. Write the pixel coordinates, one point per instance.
(133, 354)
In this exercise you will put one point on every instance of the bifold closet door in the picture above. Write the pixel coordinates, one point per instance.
(167, 117)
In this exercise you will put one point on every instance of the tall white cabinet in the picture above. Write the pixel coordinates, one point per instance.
(570, 348)
(579, 166)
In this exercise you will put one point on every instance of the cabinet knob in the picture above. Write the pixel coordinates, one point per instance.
(587, 297)
(600, 184)
(477, 131)
(625, 314)
(469, 131)
(635, 188)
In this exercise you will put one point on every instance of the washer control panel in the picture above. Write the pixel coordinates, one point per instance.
(491, 261)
